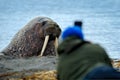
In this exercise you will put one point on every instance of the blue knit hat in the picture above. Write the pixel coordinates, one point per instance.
(73, 31)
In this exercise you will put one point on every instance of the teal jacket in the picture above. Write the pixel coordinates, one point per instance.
(76, 61)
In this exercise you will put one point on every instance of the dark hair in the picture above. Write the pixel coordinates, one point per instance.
(78, 23)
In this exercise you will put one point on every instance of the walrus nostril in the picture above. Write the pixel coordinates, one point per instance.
(52, 37)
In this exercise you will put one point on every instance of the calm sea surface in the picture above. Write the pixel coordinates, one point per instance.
(101, 19)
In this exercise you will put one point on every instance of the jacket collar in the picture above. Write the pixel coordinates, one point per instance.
(68, 44)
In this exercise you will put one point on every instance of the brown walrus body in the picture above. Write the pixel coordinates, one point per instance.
(29, 40)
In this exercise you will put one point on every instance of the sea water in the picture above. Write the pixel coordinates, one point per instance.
(101, 19)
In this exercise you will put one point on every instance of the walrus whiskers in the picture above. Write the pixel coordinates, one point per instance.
(44, 45)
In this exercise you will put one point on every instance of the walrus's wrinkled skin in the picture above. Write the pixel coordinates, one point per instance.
(29, 40)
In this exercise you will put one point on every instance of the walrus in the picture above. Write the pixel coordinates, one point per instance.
(29, 41)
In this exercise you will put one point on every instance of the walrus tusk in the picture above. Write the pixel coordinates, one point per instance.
(56, 45)
(44, 45)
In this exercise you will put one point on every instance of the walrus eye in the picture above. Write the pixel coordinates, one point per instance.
(43, 23)
(57, 26)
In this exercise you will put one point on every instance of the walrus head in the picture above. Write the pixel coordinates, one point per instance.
(38, 37)
(51, 32)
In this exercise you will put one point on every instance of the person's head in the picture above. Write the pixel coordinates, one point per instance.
(78, 23)
(73, 31)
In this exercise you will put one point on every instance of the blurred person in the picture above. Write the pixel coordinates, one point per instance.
(82, 60)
